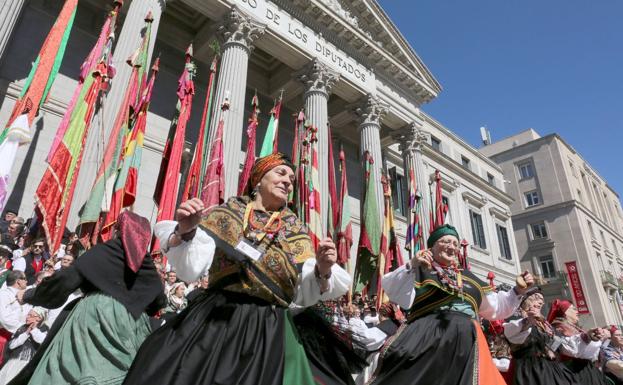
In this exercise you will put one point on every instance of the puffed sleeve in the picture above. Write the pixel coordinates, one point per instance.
(500, 305)
(190, 260)
(370, 338)
(308, 288)
(514, 333)
(398, 286)
(575, 346)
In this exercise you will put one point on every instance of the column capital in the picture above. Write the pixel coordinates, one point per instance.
(371, 109)
(239, 29)
(411, 137)
(317, 78)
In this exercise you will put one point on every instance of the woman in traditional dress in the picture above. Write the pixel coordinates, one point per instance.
(260, 260)
(580, 349)
(24, 344)
(535, 347)
(96, 342)
(442, 343)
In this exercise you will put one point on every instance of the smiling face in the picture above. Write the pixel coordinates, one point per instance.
(445, 249)
(617, 339)
(275, 186)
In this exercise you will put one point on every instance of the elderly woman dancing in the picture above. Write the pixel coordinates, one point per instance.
(442, 342)
(260, 261)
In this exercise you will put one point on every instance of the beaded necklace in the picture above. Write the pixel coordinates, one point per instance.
(451, 276)
(258, 231)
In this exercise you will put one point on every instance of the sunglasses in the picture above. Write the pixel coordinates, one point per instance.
(37, 246)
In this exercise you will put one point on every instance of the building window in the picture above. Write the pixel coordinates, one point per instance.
(532, 198)
(399, 192)
(603, 239)
(539, 231)
(478, 231)
(435, 143)
(614, 247)
(547, 267)
(465, 162)
(491, 179)
(580, 199)
(525, 170)
(505, 248)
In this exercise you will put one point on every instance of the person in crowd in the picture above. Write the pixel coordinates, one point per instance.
(12, 311)
(580, 349)
(14, 231)
(444, 299)
(176, 300)
(612, 357)
(9, 214)
(6, 253)
(170, 282)
(535, 346)
(67, 261)
(500, 349)
(96, 342)
(18, 262)
(202, 287)
(34, 260)
(24, 344)
(240, 331)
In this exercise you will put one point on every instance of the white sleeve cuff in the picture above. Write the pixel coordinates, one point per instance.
(308, 289)
(190, 260)
(398, 286)
(514, 333)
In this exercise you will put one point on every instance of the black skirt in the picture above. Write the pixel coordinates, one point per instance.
(584, 372)
(221, 338)
(532, 370)
(438, 349)
(332, 359)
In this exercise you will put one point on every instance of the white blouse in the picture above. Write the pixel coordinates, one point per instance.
(398, 286)
(193, 259)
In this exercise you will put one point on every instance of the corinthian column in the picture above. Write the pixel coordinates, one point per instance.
(9, 14)
(237, 35)
(371, 109)
(319, 80)
(411, 140)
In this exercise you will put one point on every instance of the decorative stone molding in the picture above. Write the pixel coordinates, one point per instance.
(475, 199)
(411, 137)
(502, 215)
(448, 184)
(342, 10)
(371, 109)
(238, 29)
(317, 78)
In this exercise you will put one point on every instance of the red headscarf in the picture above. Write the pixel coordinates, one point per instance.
(264, 165)
(558, 309)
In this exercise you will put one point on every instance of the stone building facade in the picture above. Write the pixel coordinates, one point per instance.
(345, 63)
(564, 211)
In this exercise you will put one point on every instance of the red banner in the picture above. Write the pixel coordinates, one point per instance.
(576, 287)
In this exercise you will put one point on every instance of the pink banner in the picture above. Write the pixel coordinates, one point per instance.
(576, 287)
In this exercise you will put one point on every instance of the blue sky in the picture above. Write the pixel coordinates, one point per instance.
(552, 65)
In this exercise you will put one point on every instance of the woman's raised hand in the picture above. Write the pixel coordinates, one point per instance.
(423, 258)
(326, 256)
(189, 214)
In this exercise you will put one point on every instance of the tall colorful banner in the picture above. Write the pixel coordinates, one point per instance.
(576, 287)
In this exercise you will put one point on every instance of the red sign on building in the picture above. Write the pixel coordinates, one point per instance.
(576, 287)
